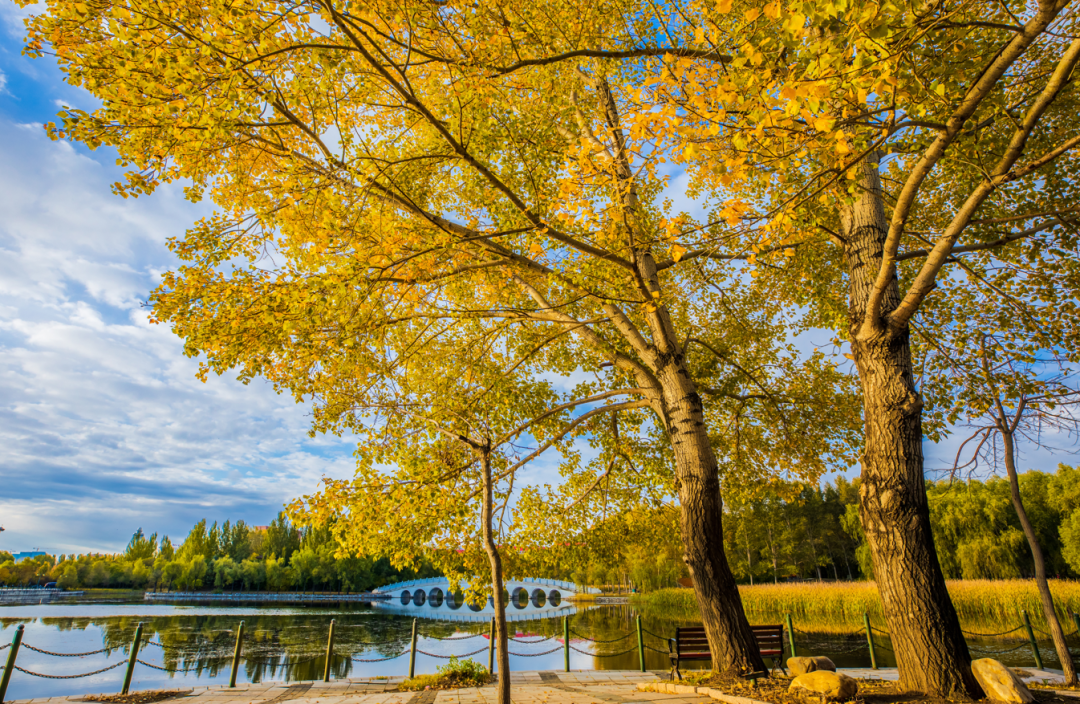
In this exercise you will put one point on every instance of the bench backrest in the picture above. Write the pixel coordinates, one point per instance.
(770, 639)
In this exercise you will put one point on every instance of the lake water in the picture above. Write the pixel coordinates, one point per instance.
(194, 644)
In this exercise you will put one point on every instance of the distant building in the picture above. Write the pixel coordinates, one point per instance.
(26, 555)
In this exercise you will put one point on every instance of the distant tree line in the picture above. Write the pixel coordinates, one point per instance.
(801, 532)
(229, 557)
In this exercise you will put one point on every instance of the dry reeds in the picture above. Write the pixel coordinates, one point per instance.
(996, 602)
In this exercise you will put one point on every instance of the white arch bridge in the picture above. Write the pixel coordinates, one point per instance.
(436, 593)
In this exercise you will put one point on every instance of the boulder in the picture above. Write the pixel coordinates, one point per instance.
(1000, 683)
(830, 686)
(802, 664)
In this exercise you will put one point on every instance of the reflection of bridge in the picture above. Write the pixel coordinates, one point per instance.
(436, 592)
(433, 598)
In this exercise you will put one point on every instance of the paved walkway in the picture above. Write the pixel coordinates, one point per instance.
(582, 687)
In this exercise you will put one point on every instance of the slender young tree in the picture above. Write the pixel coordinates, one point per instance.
(1009, 400)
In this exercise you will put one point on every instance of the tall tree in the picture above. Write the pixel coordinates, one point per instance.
(390, 172)
(885, 150)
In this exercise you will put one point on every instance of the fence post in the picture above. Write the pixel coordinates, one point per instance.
(330, 650)
(870, 640)
(16, 641)
(566, 642)
(135, 643)
(790, 634)
(491, 648)
(236, 654)
(640, 645)
(1031, 637)
(412, 651)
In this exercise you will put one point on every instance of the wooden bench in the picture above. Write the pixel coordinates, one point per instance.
(691, 644)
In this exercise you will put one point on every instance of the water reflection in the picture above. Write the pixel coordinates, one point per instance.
(196, 642)
(434, 606)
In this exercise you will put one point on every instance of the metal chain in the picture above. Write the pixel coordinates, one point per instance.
(447, 657)
(994, 651)
(655, 650)
(474, 635)
(536, 655)
(382, 659)
(594, 640)
(655, 635)
(5, 646)
(519, 640)
(990, 635)
(70, 677)
(604, 655)
(878, 630)
(63, 655)
(151, 642)
(166, 669)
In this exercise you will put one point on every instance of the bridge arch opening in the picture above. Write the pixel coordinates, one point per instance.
(539, 598)
(435, 597)
(520, 598)
(454, 600)
(419, 597)
(406, 597)
(554, 597)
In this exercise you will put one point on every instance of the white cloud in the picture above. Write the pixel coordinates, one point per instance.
(104, 427)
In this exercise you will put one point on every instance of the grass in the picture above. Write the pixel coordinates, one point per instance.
(455, 674)
(986, 602)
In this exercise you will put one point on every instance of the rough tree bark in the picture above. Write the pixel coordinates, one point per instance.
(734, 649)
(931, 653)
(498, 598)
(1062, 648)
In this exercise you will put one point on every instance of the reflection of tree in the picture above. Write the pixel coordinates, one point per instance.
(292, 647)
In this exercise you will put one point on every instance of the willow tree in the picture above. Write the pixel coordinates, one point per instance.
(874, 152)
(387, 171)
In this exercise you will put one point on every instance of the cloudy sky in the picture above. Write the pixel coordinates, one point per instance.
(103, 426)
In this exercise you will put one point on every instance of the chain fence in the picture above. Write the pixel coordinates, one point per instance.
(536, 655)
(447, 657)
(197, 668)
(597, 640)
(990, 635)
(392, 657)
(70, 677)
(63, 655)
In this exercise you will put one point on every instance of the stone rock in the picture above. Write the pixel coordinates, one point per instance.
(646, 686)
(684, 689)
(1000, 683)
(802, 664)
(831, 686)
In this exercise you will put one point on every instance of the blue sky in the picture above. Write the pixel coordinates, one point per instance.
(103, 426)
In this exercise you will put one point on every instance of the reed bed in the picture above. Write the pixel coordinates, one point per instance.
(830, 606)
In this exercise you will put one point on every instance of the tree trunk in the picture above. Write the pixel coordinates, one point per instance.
(1047, 599)
(731, 642)
(502, 651)
(931, 653)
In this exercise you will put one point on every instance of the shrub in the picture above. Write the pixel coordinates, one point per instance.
(453, 675)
